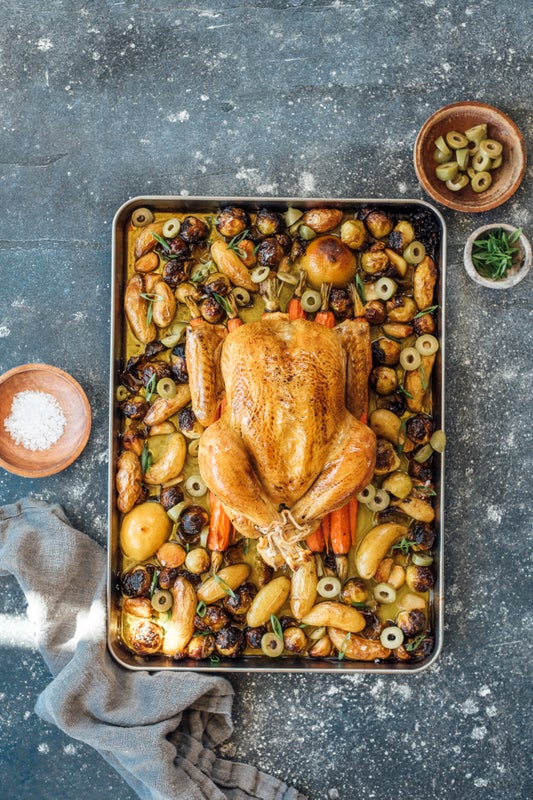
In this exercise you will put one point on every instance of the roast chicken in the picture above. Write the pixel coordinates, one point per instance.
(288, 446)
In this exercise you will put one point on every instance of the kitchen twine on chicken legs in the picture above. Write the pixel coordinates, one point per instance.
(152, 727)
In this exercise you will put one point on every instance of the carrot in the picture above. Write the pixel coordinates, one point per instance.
(353, 510)
(294, 308)
(325, 316)
(315, 541)
(340, 531)
(340, 539)
(219, 536)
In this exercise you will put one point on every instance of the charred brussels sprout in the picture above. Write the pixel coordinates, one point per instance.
(170, 497)
(424, 324)
(136, 582)
(214, 619)
(211, 310)
(269, 222)
(154, 371)
(393, 402)
(378, 223)
(373, 627)
(231, 221)
(423, 535)
(188, 424)
(240, 602)
(385, 352)
(194, 230)
(175, 272)
(354, 590)
(254, 635)
(145, 637)
(230, 642)
(411, 623)
(419, 579)
(175, 250)
(167, 576)
(423, 473)
(191, 523)
(383, 380)
(270, 253)
(179, 364)
(217, 284)
(295, 640)
(341, 303)
(134, 408)
(375, 312)
(387, 459)
(419, 428)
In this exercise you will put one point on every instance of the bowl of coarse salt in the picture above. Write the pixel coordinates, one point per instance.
(45, 420)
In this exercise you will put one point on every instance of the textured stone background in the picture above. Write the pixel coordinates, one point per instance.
(103, 101)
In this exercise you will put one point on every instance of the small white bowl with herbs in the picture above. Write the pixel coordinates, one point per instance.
(497, 256)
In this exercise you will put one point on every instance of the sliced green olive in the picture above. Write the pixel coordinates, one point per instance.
(438, 441)
(480, 162)
(481, 182)
(384, 593)
(490, 148)
(415, 252)
(441, 158)
(193, 448)
(391, 637)
(385, 288)
(161, 600)
(447, 172)
(422, 559)
(328, 587)
(242, 296)
(476, 133)
(195, 486)
(141, 217)
(423, 454)
(462, 155)
(292, 215)
(441, 145)
(259, 274)
(410, 358)
(171, 228)
(271, 645)
(121, 393)
(427, 344)
(311, 301)
(471, 172)
(456, 140)
(458, 183)
(166, 388)
(367, 494)
(496, 162)
(380, 501)
(288, 277)
(306, 233)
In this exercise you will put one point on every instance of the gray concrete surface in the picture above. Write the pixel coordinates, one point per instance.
(101, 101)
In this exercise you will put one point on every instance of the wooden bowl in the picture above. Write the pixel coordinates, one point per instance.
(73, 402)
(461, 116)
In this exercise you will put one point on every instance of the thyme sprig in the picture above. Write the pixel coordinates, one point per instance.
(493, 254)
(404, 546)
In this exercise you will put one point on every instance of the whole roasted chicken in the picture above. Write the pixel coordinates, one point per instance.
(288, 447)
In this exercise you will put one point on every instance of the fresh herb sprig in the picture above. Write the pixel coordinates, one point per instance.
(493, 254)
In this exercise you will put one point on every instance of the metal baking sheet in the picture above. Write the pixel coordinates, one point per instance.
(256, 663)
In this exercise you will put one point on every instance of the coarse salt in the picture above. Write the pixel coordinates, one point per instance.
(36, 420)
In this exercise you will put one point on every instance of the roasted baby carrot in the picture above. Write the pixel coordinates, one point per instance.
(325, 316)
(294, 307)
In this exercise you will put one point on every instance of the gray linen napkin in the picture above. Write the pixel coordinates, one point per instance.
(157, 729)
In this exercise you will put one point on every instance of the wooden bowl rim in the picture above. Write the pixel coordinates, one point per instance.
(63, 463)
(431, 187)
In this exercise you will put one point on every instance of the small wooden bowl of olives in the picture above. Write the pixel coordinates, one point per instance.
(470, 157)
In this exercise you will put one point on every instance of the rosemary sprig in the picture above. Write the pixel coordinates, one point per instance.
(146, 459)
(276, 627)
(225, 586)
(150, 387)
(404, 546)
(415, 643)
(493, 254)
(152, 298)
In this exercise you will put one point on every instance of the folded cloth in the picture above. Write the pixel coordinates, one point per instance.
(158, 729)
